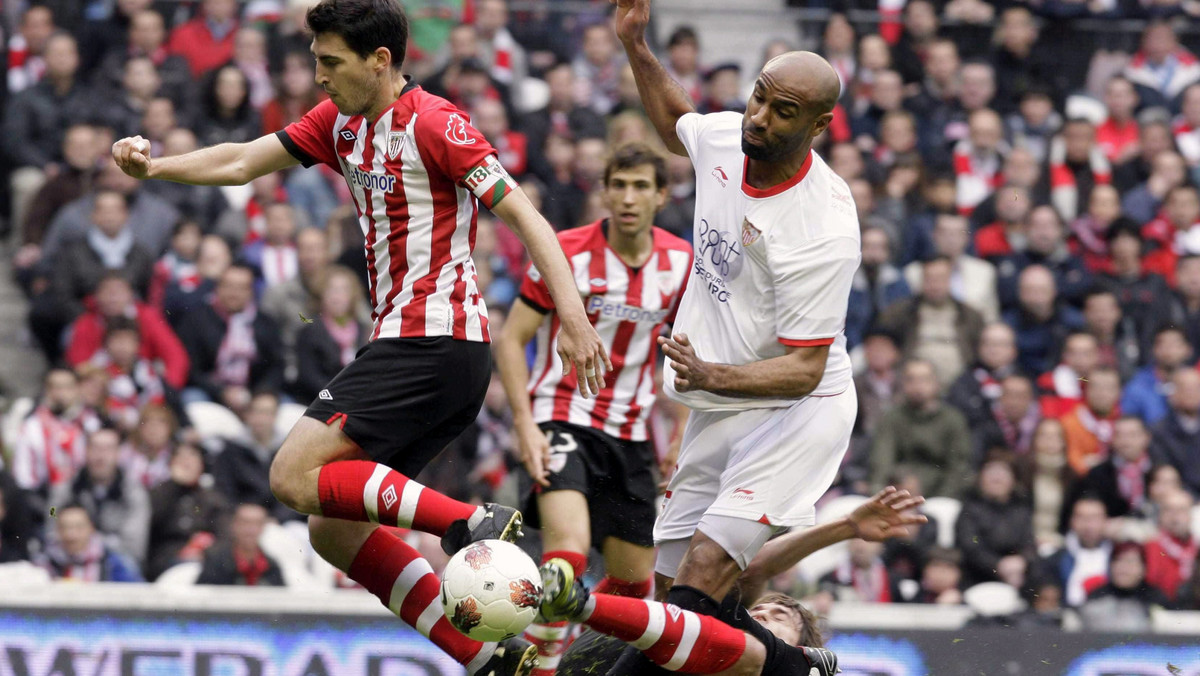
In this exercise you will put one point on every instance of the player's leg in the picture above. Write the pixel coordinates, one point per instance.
(628, 568)
(389, 568)
(566, 535)
(629, 492)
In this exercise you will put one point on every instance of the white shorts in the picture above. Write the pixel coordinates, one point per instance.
(768, 465)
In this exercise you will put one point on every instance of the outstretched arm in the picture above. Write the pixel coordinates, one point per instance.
(224, 164)
(664, 99)
(886, 515)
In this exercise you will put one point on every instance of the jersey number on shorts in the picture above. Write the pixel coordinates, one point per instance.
(558, 451)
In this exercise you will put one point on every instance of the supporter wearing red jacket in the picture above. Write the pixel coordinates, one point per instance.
(114, 298)
(206, 41)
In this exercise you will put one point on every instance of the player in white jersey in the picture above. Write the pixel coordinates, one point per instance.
(759, 353)
(415, 167)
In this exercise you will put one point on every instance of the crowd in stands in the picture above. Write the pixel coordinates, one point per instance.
(1025, 323)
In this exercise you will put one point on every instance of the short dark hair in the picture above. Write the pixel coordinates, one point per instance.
(365, 25)
(637, 154)
(810, 632)
(681, 35)
(116, 325)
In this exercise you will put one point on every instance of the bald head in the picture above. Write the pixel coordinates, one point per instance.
(808, 76)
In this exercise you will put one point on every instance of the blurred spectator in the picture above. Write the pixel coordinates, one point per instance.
(241, 470)
(941, 578)
(1077, 164)
(274, 255)
(234, 349)
(250, 57)
(1154, 139)
(178, 264)
(118, 502)
(972, 281)
(1145, 395)
(1185, 303)
(978, 159)
(114, 298)
(78, 552)
(1014, 416)
(147, 39)
(1122, 479)
(205, 203)
(912, 49)
(886, 96)
(50, 443)
(511, 146)
(296, 94)
(296, 302)
(1175, 233)
(1008, 235)
(597, 68)
(1082, 563)
(934, 326)
(206, 41)
(26, 48)
(464, 79)
(148, 454)
(1176, 438)
(1062, 388)
(186, 294)
(561, 117)
(976, 391)
(921, 432)
(17, 527)
(1167, 171)
(1118, 135)
(240, 560)
(1021, 168)
(1162, 68)
(499, 50)
(186, 515)
(1050, 480)
(81, 154)
(1045, 609)
(877, 285)
(683, 60)
(226, 115)
(1046, 246)
(329, 342)
(1089, 427)
(861, 577)
(241, 226)
(1116, 335)
(1124, 602)
(126, 106)
(133, 382)
(1171, 557)
(722, 84)
(905, 556)
(1144, 295)
(1020, 64)
(878, 385)
(1187, 129)
(1035, 124)
(36, 119)
(1040, 321)
(1088, 237)
(994, 531)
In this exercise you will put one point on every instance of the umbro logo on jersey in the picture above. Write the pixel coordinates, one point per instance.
(719, 174)
(348, 135)
(324, 395)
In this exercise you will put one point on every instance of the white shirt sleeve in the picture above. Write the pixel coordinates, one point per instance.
(812, 289)
(687, 128)
(30, 445)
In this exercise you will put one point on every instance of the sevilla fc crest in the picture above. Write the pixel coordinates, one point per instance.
(750, 234)
(395, 143)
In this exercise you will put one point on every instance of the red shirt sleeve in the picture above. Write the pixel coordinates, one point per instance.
(458, 150)
(310, 139)
(534, 291)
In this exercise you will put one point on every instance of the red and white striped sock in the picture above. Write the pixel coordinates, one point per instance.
(673, 638)
(395, 572)
(615, 587)
(551, 637)
(360, 490)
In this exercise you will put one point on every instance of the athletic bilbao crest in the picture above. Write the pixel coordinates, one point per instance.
(525, 594)
(478, 556)
(466, 615)
(456, 130)
(750, 234)
(395, 144)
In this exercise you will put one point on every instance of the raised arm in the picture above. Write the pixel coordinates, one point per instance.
(665, 100)
(578, 343)
(224, 164)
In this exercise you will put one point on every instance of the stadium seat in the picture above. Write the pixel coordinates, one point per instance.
(990, 599)
(289, 547)
(23, 575)
(945, 510)
(179, 575)
(287, 416)
(214, 421)
(839, 507)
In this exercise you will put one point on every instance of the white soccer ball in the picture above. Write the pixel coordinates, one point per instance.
(491, 590)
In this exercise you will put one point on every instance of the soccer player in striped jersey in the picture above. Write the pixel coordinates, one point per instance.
(591, 460)
(416, 170)
(772, 636)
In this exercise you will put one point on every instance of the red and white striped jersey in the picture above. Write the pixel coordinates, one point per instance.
(629, 308)
(412, 172)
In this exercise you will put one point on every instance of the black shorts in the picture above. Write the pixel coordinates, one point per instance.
(617, 476)
(404, 399)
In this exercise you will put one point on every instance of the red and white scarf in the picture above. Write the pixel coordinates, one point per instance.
(977, 175)
(279, 264)
(870, 586)
(1100, 428)
(890, 23)
(88, 566)
(1184, 553)
(63, 446)
(171, 268)
(1187, 139)
(238, 349)
(1131, 480)
(24, 69)
(1064, 195)
(346, 337)
(989, 386)
(129, 392)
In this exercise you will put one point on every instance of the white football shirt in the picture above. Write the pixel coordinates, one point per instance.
(772, 268)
